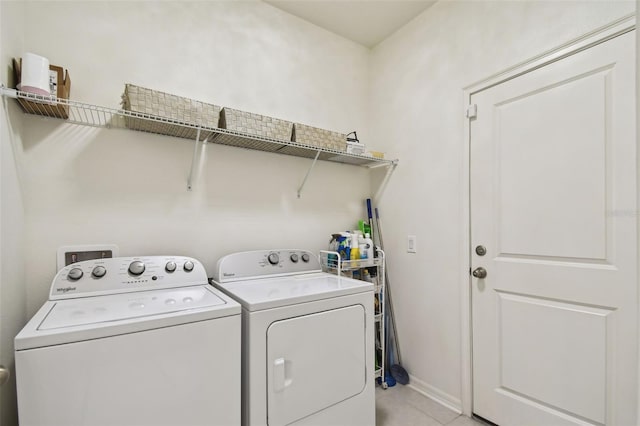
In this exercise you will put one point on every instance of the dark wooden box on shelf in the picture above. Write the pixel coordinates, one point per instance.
(49, 109)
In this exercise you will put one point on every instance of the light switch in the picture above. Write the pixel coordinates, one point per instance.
(412, 243)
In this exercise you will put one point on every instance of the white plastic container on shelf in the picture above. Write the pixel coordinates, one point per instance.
(368, 247)
(35, 74)
(364, 255)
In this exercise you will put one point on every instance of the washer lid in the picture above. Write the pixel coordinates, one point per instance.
(75, 320)
(75, 312)
(267, 293)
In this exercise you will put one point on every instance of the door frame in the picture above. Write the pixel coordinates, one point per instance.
(600, 35)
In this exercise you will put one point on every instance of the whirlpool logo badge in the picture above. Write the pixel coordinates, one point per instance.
(227, 274)
(65, 289)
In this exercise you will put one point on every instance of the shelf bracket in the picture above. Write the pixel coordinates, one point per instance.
(8, 93)
(194, 160)
(390, 168)
(308, 173)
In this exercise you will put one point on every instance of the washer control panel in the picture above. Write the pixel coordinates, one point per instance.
(265, 263)
(125, 274)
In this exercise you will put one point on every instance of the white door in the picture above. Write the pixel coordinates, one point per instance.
(315, 361)
(553, 201)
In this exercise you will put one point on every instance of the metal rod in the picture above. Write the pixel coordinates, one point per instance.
(384, 182)
(376, 165)
(382, 301)
(9, 93)
(308, 172)
(388, 295)
(193, 160)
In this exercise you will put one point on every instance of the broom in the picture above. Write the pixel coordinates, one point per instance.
(397, 371)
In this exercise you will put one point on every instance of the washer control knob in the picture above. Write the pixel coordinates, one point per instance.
(136, 267)
(273, 258)
(294, 258)
(305, 257)
(99, 271)
(170, 266)
(75, 274)
(188, 266)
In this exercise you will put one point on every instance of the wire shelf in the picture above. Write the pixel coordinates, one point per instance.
(98, 116)
(333, 262)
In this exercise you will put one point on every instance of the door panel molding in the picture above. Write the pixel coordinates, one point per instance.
(590, 39)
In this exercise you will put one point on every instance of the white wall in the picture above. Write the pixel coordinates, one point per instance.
(417, 110)
(85, 185)
(12, 292)
(638, 151)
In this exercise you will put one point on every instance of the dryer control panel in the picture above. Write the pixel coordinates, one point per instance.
(265, 263)
(126, 274)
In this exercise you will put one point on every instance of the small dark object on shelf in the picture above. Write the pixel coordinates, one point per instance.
(354, 138)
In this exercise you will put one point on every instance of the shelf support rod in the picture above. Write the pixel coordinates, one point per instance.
(390, 168)
(9, 93)
(193, 160)
(308, 173)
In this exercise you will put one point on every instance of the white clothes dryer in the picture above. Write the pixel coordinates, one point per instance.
(308, 356)
(131, 341)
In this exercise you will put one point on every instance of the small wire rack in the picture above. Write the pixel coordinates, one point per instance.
(332, 262)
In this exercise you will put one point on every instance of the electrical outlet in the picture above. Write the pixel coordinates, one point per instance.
(412, 243)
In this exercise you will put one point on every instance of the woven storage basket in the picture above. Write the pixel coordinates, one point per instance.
(321, 138)
(255, 124)
(167, 106)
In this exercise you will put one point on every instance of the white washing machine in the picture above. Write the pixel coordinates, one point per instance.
(131, 341)
(307, 336)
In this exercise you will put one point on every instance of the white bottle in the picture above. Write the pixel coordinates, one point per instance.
(364, 254)
(368, 242)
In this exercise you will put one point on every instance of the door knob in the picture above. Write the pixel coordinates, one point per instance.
(479, 272)
(4, 375)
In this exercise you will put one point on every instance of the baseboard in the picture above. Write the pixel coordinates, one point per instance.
(435, 394)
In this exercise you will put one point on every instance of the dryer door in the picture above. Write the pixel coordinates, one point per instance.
(314, 361)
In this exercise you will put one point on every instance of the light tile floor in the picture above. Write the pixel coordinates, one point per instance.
(402, 406)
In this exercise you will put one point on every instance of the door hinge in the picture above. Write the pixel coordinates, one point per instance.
(472, 111)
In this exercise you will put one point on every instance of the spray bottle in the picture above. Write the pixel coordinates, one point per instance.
(355, 248)
(344, 243)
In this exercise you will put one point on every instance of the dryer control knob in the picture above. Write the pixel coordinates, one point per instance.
(170, 266)
(136, 267)
(273, 258)
(75, 274)
(188, 266)
(305, 257)
(294, 258)
(99, 271)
